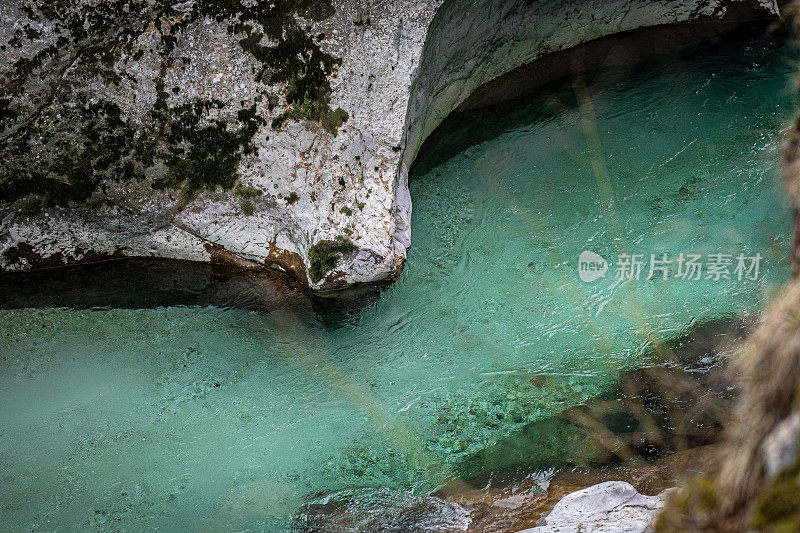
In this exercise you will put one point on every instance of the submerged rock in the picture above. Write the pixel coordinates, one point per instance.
(388, 510)
(613, 506)
(256, 133)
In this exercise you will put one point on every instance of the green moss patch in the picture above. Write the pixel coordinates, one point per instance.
(247, 207)
(296, 59)
(332, 120)
(292, 198)
(203, 153)
(77, 169)
(316, 9)
(89, 144)
(200, 153)
(324, 256)
(246, 191)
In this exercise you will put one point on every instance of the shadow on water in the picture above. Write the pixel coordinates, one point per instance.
(541, 90)
(147, 283)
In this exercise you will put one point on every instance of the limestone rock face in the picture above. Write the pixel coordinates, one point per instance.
(267, 134)
(613, 506)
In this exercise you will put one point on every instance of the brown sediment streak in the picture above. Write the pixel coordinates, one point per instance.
(277, 259)
(290, 262)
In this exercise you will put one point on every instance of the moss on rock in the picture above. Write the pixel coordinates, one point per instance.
(323, 256)
(247, 207)
(103, 147)
(246, 191)
(204, 157)
(88, 143)
(332, 120)
(295, 60)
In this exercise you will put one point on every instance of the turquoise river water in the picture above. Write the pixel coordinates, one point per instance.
(190, 418)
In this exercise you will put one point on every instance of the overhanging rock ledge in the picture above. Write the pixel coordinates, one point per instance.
(273, 135)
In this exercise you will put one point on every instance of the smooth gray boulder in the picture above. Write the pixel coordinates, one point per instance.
(264, 134)
(610, 507)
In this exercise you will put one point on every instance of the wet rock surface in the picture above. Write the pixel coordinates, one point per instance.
(512, 502)
(383, 510)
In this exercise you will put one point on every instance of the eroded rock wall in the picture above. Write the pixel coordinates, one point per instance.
(264, 134)
(471, 43)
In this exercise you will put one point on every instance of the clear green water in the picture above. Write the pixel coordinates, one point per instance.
(219, 419)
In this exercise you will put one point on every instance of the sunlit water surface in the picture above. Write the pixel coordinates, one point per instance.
(209, 418)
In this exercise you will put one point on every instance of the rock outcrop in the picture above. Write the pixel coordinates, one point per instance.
(612, 507)
(263, 134)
